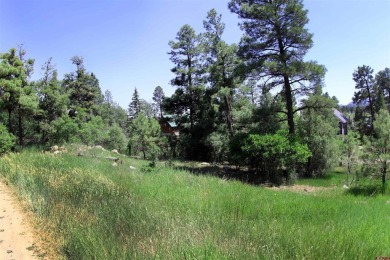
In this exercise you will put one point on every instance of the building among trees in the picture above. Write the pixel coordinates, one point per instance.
(343, 122)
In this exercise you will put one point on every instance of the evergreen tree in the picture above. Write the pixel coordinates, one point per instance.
(274, 45)
(135, 105)
(377, 150)
(147, 108)
(382, 80)
(52, 102)
(145, 136)
(17, 96)
(83, 89)
(12, 76)
(113, 114)
(221, 61)
(186, 55)
(158, 97)
(365, 93)
(318, 128)
(351, 153)
(266, 116)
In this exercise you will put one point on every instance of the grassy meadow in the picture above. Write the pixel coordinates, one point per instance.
(99, 211)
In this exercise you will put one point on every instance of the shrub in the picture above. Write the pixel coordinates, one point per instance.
(115, 139)
(7, 140)
(145, 137)
(274, 156)
(92, 132)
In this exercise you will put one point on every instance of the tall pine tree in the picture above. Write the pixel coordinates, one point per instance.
(221, 61)
(135, 105)
(274, 45)
(158, 98)
(189, 74)
(365, 95)
(83, 89)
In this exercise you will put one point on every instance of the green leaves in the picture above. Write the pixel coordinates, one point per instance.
(135, 105)
(274, 46)
(145, 135)
(7, 140)
(274, 155)
(83, 88)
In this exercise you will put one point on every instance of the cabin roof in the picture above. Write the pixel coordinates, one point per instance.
(340, 116)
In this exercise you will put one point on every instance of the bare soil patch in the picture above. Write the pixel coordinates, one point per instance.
(18, 238)
(301, 188)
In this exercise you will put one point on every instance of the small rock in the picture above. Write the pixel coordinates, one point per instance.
(114, 164)
(132, 168)
(9, 251)
(56, 152)
(345, 186)
(205, 164)
(115, 151)
(54, 148)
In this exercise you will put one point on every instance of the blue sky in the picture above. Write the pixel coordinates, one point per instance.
(125, 43)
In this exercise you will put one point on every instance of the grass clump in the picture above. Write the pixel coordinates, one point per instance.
(104, 212)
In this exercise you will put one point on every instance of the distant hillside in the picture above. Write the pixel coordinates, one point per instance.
(352, 105)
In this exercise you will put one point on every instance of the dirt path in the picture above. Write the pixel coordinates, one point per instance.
(17, 240)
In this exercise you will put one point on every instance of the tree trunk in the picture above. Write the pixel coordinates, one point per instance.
(229, 118)
(287, 85)
(289, 105)
(20, 122)
(10, 120)
(371, 107)
(43, 136)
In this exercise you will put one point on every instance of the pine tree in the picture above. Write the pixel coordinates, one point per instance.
(83, 89)
(52, 102)
(365, 86)
(186, 55)
(382, 80)
(17, 95)
(274, 45)
(135, 105)
(221, 61)
(158, 97)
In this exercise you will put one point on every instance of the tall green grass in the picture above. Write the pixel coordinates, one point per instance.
(105, 212)
(338, 177)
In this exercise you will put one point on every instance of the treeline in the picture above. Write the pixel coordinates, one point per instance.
(257, 103)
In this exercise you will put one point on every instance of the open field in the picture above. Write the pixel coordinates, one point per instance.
(99, 211)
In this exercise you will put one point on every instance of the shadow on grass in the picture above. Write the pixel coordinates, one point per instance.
(371, 189)
(224, 172)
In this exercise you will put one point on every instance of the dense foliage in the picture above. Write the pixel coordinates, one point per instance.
(7, 140)
(145, 137)
(231, 102)
(274, 157)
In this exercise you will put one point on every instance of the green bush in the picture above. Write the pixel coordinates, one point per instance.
(236, 154)
(92, 132)
(64, 131)
(7, 140)
(145, 137)
(274, 156)
(115, 139)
